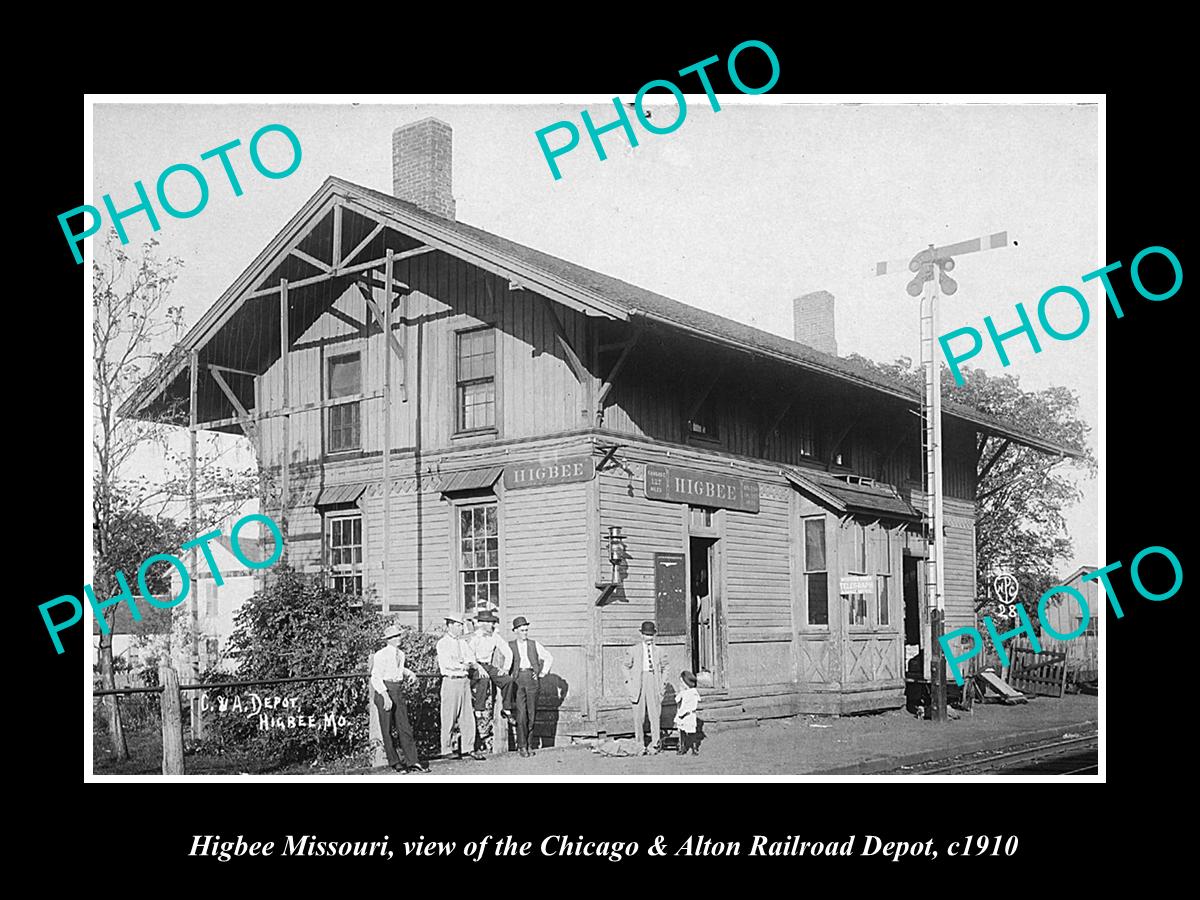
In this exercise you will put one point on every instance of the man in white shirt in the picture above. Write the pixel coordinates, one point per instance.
(494, 659)
(387, 677)
(530, 662)
(456, 660)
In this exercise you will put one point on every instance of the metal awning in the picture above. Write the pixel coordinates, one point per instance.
(471, 479)
(874, 497)
(333, 494)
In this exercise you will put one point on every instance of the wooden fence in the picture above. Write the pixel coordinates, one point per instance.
(169, 689)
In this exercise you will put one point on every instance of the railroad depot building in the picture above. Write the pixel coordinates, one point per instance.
(448, 419)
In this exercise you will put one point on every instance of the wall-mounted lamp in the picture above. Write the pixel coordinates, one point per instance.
(616, 553)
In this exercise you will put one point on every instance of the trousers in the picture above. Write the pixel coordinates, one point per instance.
(525, 700)
(457, 710)
(648, 705)
(483, 693)
(396, 716)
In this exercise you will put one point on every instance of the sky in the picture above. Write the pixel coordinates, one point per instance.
(736, 212)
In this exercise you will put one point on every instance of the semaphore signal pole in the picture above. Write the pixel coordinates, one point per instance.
(939, 260)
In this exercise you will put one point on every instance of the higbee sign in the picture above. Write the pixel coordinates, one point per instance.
(539, 474)
(701, 488)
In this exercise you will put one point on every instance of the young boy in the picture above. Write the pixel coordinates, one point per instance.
(685, 715)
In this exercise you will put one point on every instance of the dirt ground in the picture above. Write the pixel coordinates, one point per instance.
(802, 745)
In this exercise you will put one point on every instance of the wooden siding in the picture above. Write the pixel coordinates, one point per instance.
(545, 561)
(654, 392)
(537, 393)
(758, 584)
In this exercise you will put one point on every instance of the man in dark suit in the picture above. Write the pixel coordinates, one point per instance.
(645, 675)
(530, 663)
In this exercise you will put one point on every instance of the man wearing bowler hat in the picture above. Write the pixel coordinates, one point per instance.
(646, 667)
(493, 656)
(387, 675)
(530, 663)
(455, 660)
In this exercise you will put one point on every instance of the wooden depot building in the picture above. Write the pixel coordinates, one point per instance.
(447, 419)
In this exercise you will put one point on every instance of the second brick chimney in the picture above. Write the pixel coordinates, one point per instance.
(421, 166)
(813, 316)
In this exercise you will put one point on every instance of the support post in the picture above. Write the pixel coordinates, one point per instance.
(193, 604)
(374, 728)
(934, 504)
(388, 291)
(285, 457)
(172, 721)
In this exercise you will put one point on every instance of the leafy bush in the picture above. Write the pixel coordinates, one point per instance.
(297, 626)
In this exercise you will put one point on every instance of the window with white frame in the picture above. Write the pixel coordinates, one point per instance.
(475, 379)
(816, 573)
(344, 545)
(479, 556)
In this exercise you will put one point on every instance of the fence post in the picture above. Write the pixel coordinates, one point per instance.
(375, 731)
(172, 721)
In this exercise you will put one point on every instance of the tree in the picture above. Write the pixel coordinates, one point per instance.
(128, 320)
(297, 626)
(1020, 525)
(131, 326)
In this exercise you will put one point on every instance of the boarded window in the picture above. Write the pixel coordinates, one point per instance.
(344, 423)
(479, 557)
(345, 547)
(476, 379)
(816, 578)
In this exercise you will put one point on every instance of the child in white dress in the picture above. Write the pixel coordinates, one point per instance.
(685, 714)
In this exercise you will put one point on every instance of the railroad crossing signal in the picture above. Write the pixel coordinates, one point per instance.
(924, 265)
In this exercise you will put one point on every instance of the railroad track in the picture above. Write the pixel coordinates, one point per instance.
(988, 761)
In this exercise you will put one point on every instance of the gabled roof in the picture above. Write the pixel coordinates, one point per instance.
(588, 291)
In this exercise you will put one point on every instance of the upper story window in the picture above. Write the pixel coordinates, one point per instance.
(704, 422)
(844, 452)
(807, 436)
(345, 380)
(476, 379)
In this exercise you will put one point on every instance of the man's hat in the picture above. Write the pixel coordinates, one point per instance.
(487, 615)
(454, 617)
(519, 621)
(649, 628)
(392, 631)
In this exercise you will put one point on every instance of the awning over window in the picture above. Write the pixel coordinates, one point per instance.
(855, 496)
(470, 479)
(333, 494)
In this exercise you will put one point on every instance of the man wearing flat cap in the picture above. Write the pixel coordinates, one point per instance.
(493, 658)
(645, 671)
(387, 676)
(530, 663)
(455, 660)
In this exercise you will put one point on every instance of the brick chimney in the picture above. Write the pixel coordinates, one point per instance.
(813, 315)
(421, 166)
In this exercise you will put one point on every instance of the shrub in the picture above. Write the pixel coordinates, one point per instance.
(297, 626)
